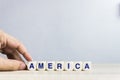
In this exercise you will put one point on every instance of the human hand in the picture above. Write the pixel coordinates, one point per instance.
(12, 48)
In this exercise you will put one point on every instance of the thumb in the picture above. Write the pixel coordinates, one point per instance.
(9, 64)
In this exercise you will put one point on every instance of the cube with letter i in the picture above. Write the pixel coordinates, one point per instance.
(68, 66)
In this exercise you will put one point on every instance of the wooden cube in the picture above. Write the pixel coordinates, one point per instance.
(50, 65)
(68, 66)
(31, 66)
(59, 65)
(41, 65)
(77, 66)
(87, 65)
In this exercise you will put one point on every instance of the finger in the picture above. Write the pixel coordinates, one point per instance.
(0, 46)
(13, 43)
(2, 39)
(8, 64)
(15, 56)
(24, 52)
(12, 54)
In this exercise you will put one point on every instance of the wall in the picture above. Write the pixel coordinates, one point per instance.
(65, 29)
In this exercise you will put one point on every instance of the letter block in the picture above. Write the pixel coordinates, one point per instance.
(77, 66)
(50, 65)
(31, 65)
(68, 66)
(59, 65)
(41, 65)
(86, 65)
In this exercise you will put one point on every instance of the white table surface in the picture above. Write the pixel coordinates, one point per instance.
(98, 72)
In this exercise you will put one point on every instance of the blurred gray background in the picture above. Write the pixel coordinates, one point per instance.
(75, 30)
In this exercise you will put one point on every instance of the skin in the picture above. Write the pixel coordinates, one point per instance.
(12, 48)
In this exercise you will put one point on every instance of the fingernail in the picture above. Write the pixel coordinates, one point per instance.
(22, 66)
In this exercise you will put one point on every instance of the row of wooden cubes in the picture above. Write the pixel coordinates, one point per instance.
(59, 65)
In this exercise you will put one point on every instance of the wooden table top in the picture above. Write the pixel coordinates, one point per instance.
(98, 72)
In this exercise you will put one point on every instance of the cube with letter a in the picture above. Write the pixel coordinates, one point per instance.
(31, 65)
(87, 65)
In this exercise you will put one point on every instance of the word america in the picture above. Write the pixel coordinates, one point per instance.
(59, 66)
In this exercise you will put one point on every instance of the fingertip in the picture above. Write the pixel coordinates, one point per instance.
(23, 51)
(28, 57)
(11, 65)
(22, 66)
